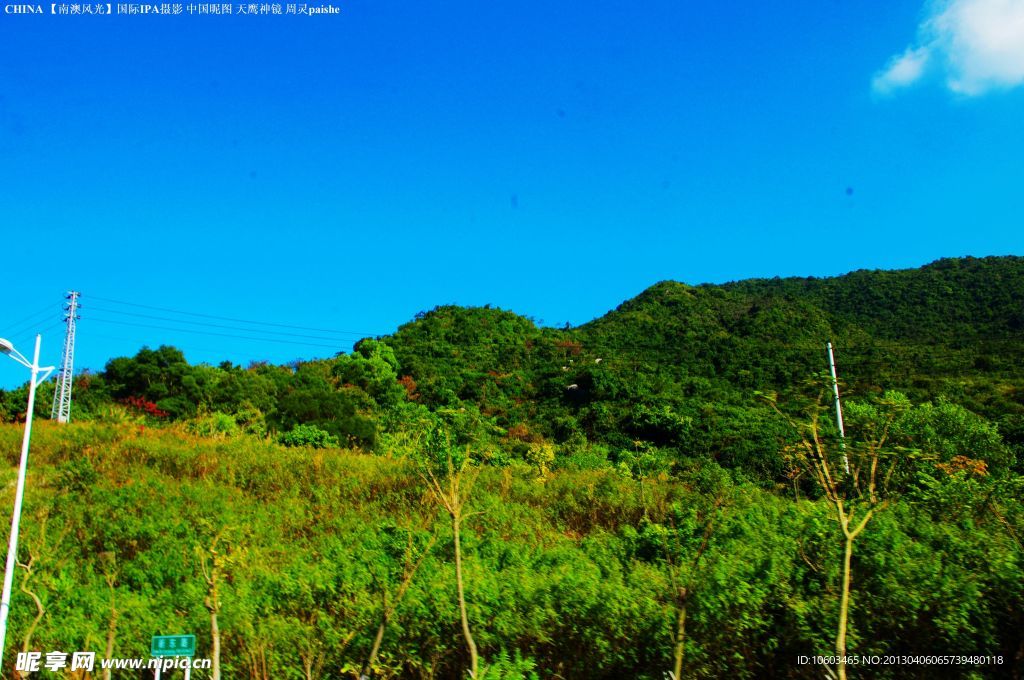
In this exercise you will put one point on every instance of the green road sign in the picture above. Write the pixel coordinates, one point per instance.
(173, 645)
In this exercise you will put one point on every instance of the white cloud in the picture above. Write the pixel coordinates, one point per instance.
(902, 70)
(977, 46)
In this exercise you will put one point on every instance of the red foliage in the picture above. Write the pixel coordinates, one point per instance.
(409, 384)
(84, 381)
(147, 407)
(971, 466)
(518, 432)
(521, 432)
(571, 346)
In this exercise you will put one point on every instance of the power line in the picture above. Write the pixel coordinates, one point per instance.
(47, 309)
(28, 335)
(35, 317)
(210, 325)
(228, 318)
(223, 335)
(188, 348)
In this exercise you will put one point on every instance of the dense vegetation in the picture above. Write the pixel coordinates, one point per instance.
(660, 490)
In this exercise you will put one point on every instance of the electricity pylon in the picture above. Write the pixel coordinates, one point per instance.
(61, 411)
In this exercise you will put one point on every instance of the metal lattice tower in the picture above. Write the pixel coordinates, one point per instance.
(61, 411)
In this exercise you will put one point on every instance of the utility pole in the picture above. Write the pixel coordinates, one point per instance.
(61, 411)
(19, 492)
(839, 408)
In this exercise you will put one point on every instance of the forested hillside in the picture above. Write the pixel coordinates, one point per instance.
(661, 490)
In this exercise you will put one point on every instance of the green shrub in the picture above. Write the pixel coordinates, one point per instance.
(506, 667)
(308, 435)
(213, 425)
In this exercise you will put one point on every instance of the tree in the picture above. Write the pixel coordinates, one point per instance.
(684, 576)
(40, 553)
(108, 562)
(217, 559)
(855, 478)
(311, 399)
(412, 556)
(373, 368)
(162, 376)
(449, 473)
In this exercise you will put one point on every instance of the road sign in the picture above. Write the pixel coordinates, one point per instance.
(173, 645)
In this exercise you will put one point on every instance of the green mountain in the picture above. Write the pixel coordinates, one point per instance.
(678, 366)
(660, 490)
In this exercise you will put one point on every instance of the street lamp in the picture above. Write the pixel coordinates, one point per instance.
(12, 547)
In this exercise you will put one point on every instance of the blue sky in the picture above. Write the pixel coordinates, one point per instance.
(345, 172)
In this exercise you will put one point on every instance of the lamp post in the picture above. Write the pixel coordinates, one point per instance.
(12, 547)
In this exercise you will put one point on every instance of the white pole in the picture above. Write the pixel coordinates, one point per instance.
(19, 494)
(156, 676)
(188, 669)
(839, 409)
